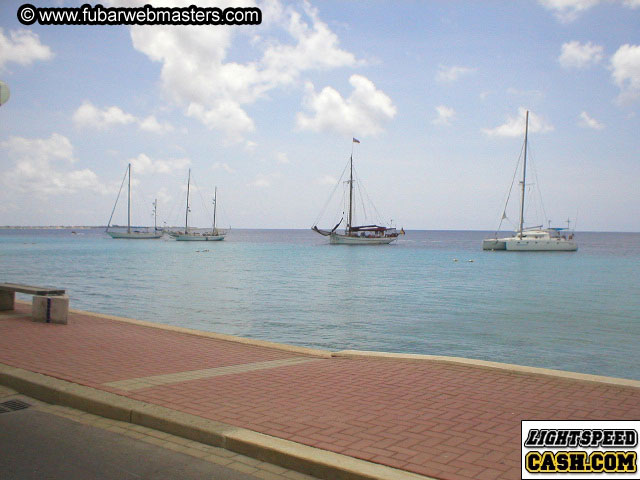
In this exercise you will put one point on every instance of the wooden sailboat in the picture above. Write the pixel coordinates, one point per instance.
(131, 234)
(358, 234)
(534, 238)
(193, 236)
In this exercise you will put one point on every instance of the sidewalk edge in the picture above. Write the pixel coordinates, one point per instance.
(509, 367)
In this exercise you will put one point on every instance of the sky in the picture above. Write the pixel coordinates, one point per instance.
(435, 91)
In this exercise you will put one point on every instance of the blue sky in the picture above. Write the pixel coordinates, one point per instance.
(435, 92)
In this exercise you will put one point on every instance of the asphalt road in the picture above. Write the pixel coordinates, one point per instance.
(42, 446)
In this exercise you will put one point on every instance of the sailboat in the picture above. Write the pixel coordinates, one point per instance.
(193, 236)
(361, 234)
(131, 234)
(534, 238)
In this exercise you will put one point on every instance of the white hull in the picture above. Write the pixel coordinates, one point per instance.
(337, 239)
(199, 238)
(540, 245)
(135, 235)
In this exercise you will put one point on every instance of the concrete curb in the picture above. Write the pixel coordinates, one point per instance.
(585, 377)
(217, 336)
(284, 453)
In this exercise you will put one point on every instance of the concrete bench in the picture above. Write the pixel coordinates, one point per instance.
(49, 305)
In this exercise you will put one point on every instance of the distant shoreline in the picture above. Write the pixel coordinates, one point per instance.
(93, 227)
(50, 227)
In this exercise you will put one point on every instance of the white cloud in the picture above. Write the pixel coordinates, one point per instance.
(326, 180)
(445, 115)
(514, 126)
(37, 169)
(197, 75)
(22, 47)
(89, 116)
(282, 157)
(625, 70)
(568, 10)
(363, 113)
(151, 124)
(451, 74)
(577, 55)
(264, 181)
(143, 164)
(222, 166)
(587, 122)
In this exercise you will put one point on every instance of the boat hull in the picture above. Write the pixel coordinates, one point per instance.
(199, 238)
(135, 235)
(494, 244)
(337, 239)
(540, 245)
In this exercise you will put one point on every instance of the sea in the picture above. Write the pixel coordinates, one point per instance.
(433, 292)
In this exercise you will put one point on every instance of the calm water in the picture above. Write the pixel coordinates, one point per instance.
(570, 311)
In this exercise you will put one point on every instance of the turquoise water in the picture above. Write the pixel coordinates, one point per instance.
(570, 311)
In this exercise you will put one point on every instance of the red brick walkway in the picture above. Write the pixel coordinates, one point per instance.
(443, 420)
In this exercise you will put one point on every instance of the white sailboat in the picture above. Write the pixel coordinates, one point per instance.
(215, 235)
(534, 238)
(131, 234)
(362, 234)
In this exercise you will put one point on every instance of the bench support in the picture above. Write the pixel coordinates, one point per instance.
(50, 309)
(7, 300)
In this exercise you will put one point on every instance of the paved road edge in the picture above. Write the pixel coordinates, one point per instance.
(285, 453)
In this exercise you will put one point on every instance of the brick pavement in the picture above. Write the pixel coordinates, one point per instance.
(443, 420)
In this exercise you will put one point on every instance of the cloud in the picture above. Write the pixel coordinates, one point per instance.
(451, 74)
(587, 122)
(151, 124)
(625, 70)
(197, 74)
(569, 10)
(264, 181)
(282, 157)
(22, 47)
(326, 180)
(445, 115)
(576, 55)
(363, 113)
(514, 126)
(89, 116)
(143, 165)
(40, 167)
(222, 166)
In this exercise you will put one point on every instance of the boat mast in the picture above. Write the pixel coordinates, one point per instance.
(524, 173)
(215, 205)
(155, 215)
(186, 215)
(350, 192)
(129, 203)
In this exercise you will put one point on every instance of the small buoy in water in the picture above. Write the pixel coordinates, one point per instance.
(455, 259)
(470, 261)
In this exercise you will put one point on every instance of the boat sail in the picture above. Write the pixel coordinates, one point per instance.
(193, 236)
(131, 234)
(361, 234)
(534, 238)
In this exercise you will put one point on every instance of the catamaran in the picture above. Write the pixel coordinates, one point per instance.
(131, 234)
(361, 234)
(533, 238)
(193, 236)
